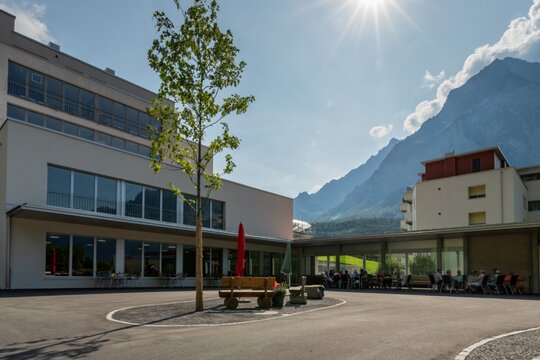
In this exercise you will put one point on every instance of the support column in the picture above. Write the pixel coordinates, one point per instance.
(384, 249)
(180, 258)
(465, 255)
(120, 251)
(535, 253)
(225, 262)
(338, 253)
(439, 254)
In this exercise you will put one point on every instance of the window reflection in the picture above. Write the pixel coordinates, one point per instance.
(58, 186)
(168, 259)
(105, 255)
(134, 198)
(83, 191)
(57, 255)
(133, 257)
(106, 195)
(151, 203)
(83, 256)
(151, 259)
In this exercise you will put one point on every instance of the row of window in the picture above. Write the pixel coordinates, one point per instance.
(19, 113)
(74, 255)
(84, 191)
(59, 95)
(534, 205)
(531, 177)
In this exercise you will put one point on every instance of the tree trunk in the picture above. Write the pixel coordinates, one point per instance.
(198, 265)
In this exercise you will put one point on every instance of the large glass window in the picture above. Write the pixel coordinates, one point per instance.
(83, 191)
(104, 139)
(151, 259)
(132, 123)
(151, 203)
(106, 195)
(217, 214)
(134, 198)
(105, 111)
(57, 255)
(71, 129)
(71, 99)
(86, 133)
(133, 257)
(15, 112)
(119, 113)
(16, 80)
(83, 256)
(189, 210)
(422, 263)
(168, 206)
(189, 260)
(144, 122)
(36, 88)
(35, 118)
(105, 255)
(168, 259)
(58, 186)
(54, 93)
(53, 124)
(87, 105)
(206, 213)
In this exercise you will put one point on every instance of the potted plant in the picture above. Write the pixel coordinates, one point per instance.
(279, 295)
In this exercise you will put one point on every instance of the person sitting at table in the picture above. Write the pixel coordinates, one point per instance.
(458, 280)
(438, 278)
(477, 284)
(493, 278)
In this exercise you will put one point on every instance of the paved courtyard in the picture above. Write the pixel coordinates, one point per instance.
(369, 325)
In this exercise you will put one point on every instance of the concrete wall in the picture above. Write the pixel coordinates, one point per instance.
(509, 253)
(533, 188)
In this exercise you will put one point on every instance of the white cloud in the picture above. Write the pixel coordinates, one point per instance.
(431, 80)
(380, 131)
(29, 20)
(521, 39)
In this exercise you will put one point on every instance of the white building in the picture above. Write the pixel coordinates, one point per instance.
(77, 191)
(471, 188)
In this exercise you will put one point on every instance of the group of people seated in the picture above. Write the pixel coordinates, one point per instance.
(474, 282)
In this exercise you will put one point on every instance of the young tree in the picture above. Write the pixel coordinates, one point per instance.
(195, 62)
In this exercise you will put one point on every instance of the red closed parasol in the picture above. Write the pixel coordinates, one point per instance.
(240, 251)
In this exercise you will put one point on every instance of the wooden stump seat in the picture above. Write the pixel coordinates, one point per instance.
(234, 287)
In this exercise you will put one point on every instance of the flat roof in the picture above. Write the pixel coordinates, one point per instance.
(496, 149)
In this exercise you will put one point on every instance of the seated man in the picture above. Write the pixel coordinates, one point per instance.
(438, 278)
(476, 284)
(458, 281)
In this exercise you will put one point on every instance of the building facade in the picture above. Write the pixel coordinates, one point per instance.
(474, 188)
(79, 196)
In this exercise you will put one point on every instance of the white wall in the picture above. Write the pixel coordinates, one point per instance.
(444, 203)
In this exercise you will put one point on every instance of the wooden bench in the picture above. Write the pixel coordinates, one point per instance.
(236, 287)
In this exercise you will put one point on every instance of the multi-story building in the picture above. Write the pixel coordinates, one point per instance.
(472, 188)
(77, 191)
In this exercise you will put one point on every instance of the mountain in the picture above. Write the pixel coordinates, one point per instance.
(310, 206)
(500, 106)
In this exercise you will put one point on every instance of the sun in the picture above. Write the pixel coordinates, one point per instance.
(376, 14)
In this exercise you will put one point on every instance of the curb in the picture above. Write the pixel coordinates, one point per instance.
(466, 352)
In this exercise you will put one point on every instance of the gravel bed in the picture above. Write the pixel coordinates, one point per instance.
(524, 346)
(215, 313)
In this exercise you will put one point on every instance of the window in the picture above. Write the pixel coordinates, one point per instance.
(16, 80)
(86, 133)
(168, 259)
(71, 99)
(131, 147)
(54, 93)
(144, 121)
(105, 255)
(105, 113)
(106, 195)
(531, 177)
(71, 129)
(118, 143)
(57, 255)
(534, 205)
(83, 191)
(476, 165)
(15, 112)
(104, 139)
(189, 210)
(87, 105)
(152, 252)
(217, 214)
(189, 260)
(132, 121)
(132, 257)
(35, 118)
(58, 186)
(144, 150)
(134, 198)
(478, 191)
(83, 256)
(119, 113)
(53, 124)
(36, 88)
(168, 206)
(477, 218)
(206, 213)
(151, 203)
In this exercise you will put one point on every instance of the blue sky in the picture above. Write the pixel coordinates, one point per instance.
(334, 80)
